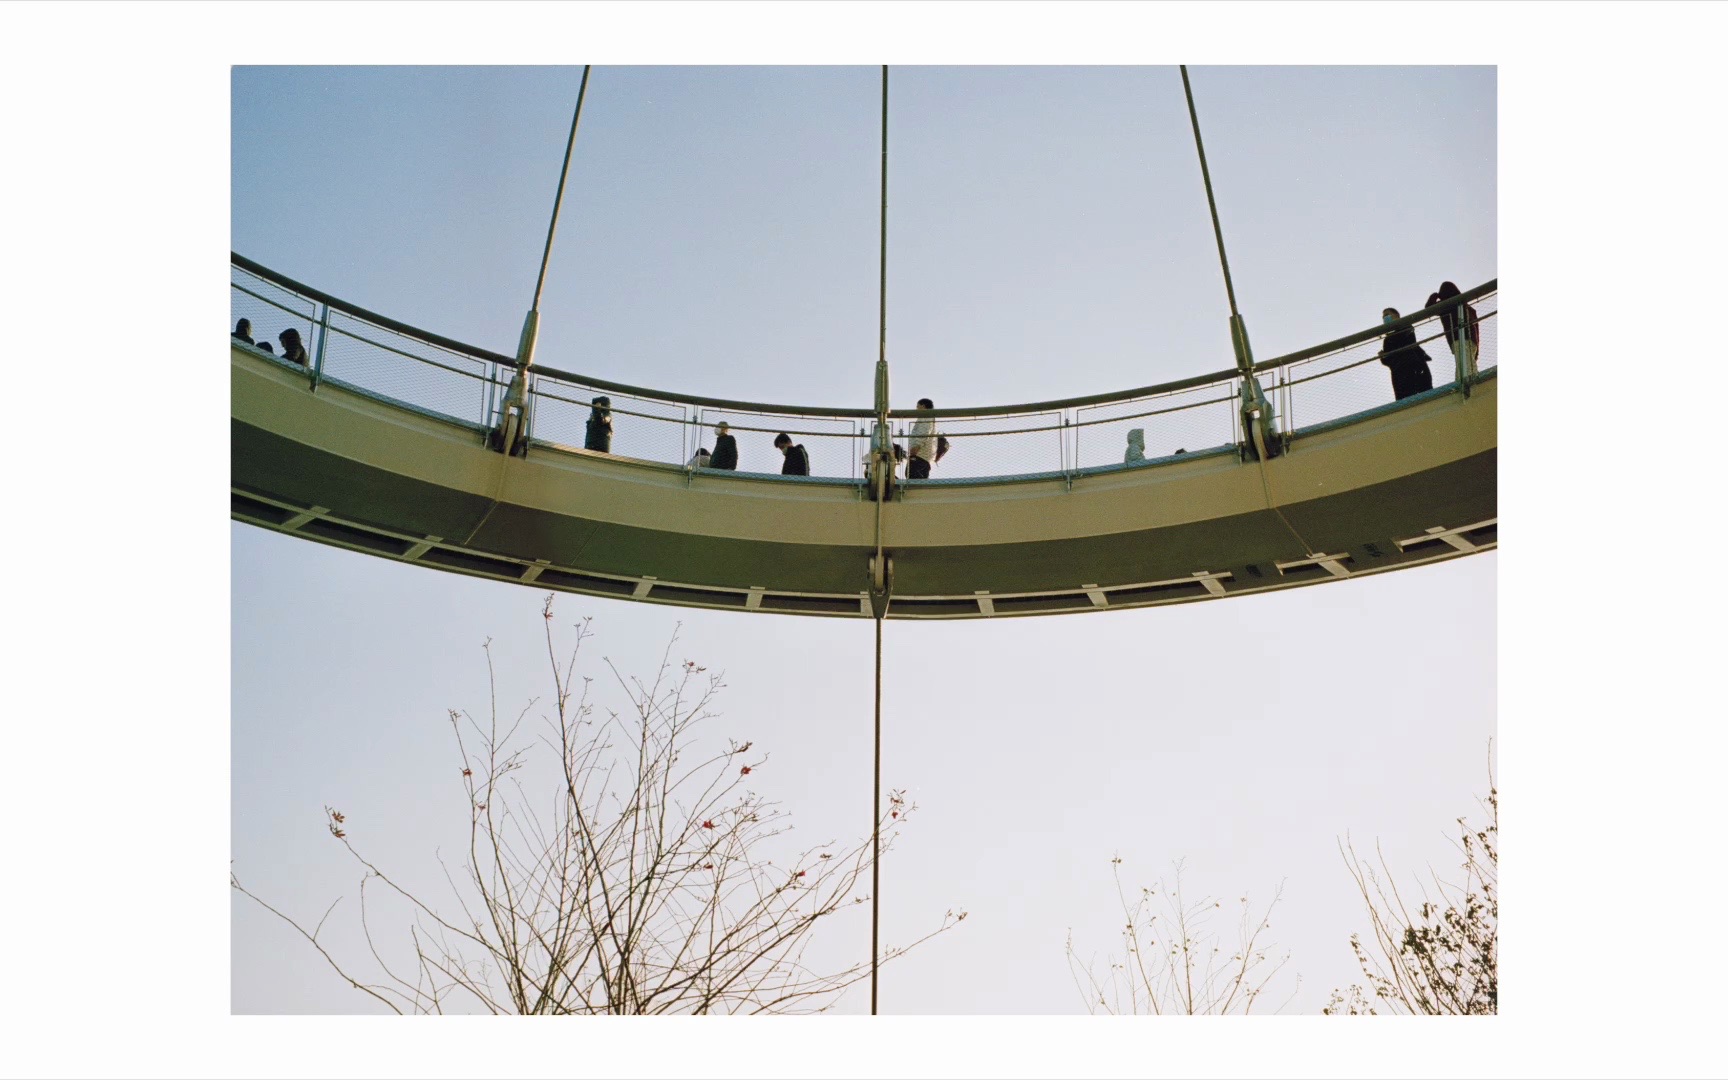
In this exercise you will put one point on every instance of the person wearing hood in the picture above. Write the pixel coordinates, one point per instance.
(1136, 446)
(1406, 359)
(725, 455)
(1449, 321)
(797, 458)
(599, 426)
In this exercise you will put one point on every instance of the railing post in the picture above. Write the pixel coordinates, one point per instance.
(323, 339)
(528, 410)
(1285, 427)
(1067, 472)
(1463, 348)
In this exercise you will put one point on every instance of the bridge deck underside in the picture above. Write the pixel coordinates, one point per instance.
(291, 486)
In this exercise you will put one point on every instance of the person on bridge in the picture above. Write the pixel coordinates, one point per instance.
(725, 454)
(1449, 322)
(265, 345)
(599, 426)
(243, 331)
(928, 447)
(292, 350)
(1406, 359)
(797, 458)
(701, 458)
(1136, 446)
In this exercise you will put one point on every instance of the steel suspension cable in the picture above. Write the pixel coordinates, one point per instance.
(1238, 332)
(563, 175)
(879, 569)
(876, 828)
(1206, 178)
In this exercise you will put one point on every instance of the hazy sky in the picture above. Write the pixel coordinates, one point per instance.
(1048, 236)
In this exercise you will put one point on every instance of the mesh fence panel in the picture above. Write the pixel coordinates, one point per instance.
(1199, 418)
(270, 308)
(836, 445)
(642, 428)
(411, 371)
(1353, 380)
(1487, 355)
(995, 445)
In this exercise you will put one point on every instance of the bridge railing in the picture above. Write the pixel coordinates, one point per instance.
(424, 372)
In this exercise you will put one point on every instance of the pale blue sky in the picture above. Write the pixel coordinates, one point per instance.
(1048, 236)
(122, 626)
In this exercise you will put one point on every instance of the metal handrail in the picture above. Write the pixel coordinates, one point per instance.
(1055, 405)
(1206, 396)
(1429, 340)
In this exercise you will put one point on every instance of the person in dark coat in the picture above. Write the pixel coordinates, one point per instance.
(265, 345)
(1449, 318)
(292, 350)
(600, 426)
(725, 455)
(1405, 358)
(243, 331)
(797, 458)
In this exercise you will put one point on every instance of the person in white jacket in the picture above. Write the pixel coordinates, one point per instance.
(927, 446)
(1136, 446)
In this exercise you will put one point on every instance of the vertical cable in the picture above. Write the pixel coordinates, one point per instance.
(558, 200)
(876, 828)
(882, 272)
(881, 568)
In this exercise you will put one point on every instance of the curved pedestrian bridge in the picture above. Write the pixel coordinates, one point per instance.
(379, 444)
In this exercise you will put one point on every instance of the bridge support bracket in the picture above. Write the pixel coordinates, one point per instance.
(881, 583)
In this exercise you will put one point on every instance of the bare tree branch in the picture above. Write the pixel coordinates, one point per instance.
(1439, 956)
(606, 873)
(1172, 961)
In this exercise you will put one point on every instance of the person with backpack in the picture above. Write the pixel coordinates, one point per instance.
(928, 447)
(1450, 323)
(797, 458)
